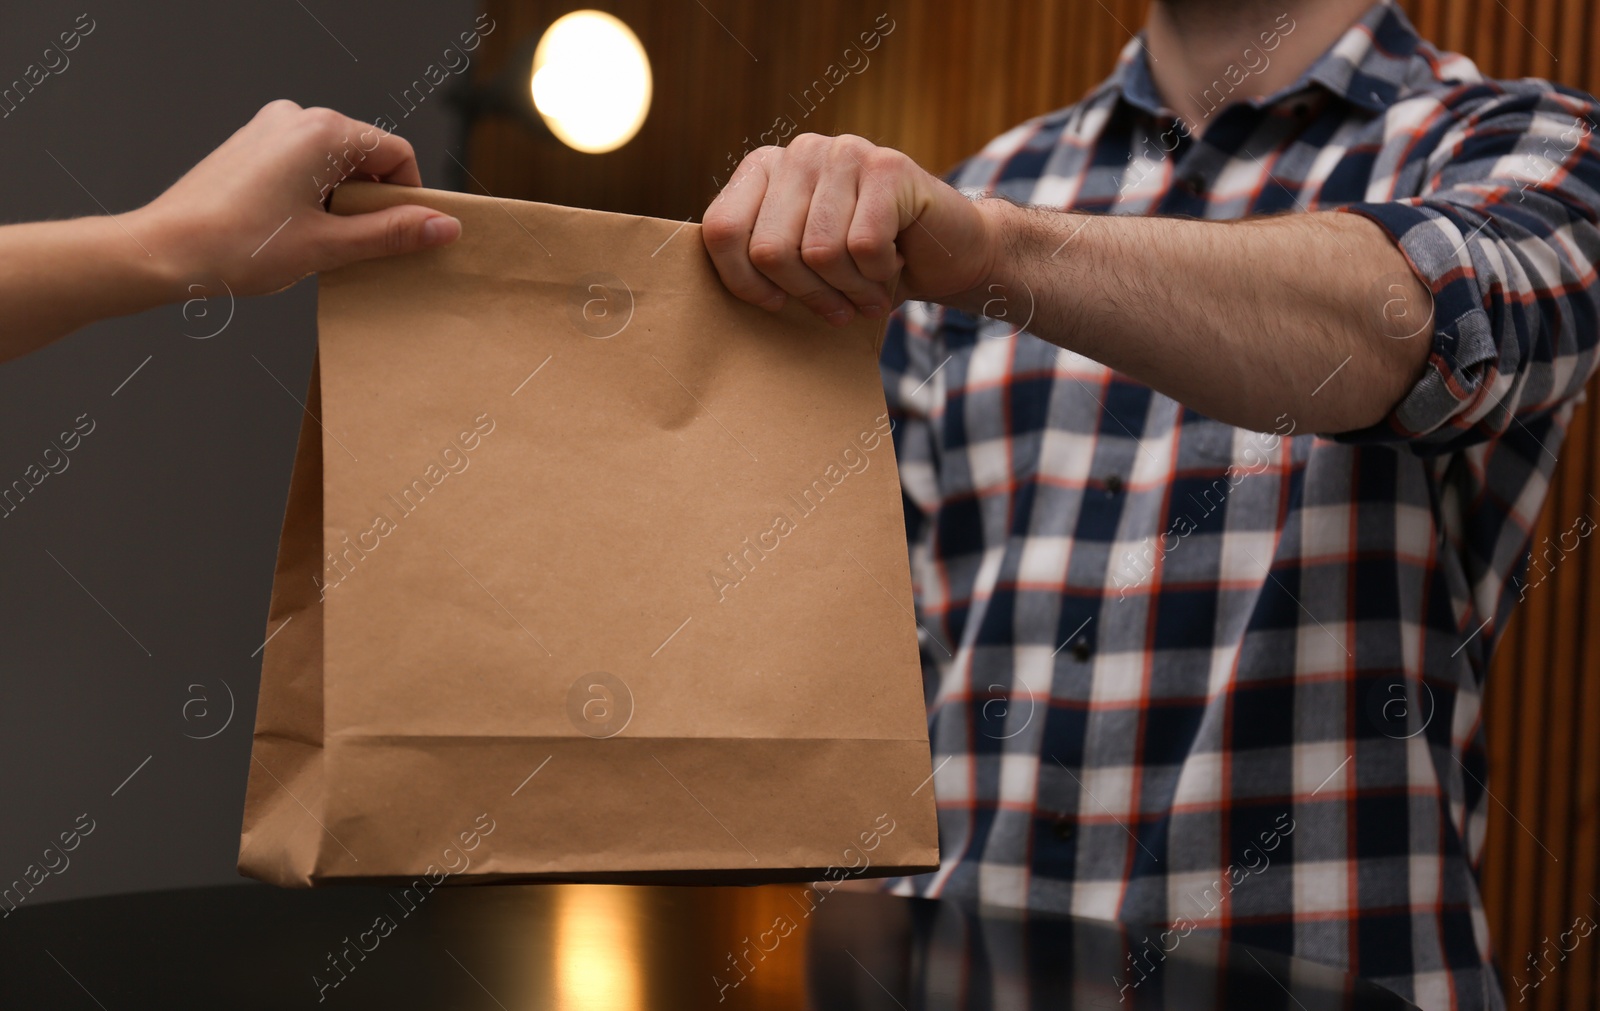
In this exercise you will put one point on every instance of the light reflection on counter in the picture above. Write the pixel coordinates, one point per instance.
(597, 950)
(577, 947)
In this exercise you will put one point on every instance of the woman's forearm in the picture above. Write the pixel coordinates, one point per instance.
(249, 216)
(56, 276)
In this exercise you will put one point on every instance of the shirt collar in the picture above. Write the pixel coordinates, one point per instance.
(1365, 67)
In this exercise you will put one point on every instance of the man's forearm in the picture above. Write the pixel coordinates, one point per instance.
(1317, 317)
(56, 276)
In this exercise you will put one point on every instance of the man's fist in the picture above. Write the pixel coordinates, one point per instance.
(251, 213)
(831, 220)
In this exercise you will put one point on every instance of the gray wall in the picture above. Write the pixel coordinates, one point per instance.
(168, 512)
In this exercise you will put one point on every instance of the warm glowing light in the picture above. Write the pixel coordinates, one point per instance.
(598, 951)
(591, 81)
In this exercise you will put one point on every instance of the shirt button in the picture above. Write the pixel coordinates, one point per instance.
(1063, 829)
(1195, 183)
(1080, 649)
(1114, 484)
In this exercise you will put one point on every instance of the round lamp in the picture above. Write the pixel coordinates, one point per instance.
(591, 81)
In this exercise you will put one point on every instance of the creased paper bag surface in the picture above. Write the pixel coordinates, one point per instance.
(588, 571)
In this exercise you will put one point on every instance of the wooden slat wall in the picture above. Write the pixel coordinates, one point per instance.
(949, 76)
(952, 74)
(1540, 863)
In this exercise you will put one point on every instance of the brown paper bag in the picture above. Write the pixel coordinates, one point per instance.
(588, 571)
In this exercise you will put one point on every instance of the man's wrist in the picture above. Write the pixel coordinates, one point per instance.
(995, 277)
(1020, 238)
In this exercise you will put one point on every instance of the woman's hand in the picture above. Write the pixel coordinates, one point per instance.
(252, 212)
(250, 215)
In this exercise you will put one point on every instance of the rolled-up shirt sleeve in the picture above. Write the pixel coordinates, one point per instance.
(1503, 227)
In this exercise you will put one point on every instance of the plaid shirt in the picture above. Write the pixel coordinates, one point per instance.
(1183, 674)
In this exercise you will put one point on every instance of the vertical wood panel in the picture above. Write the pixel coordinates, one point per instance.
(953, 74)
(1544, 678)
(1585, 788)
